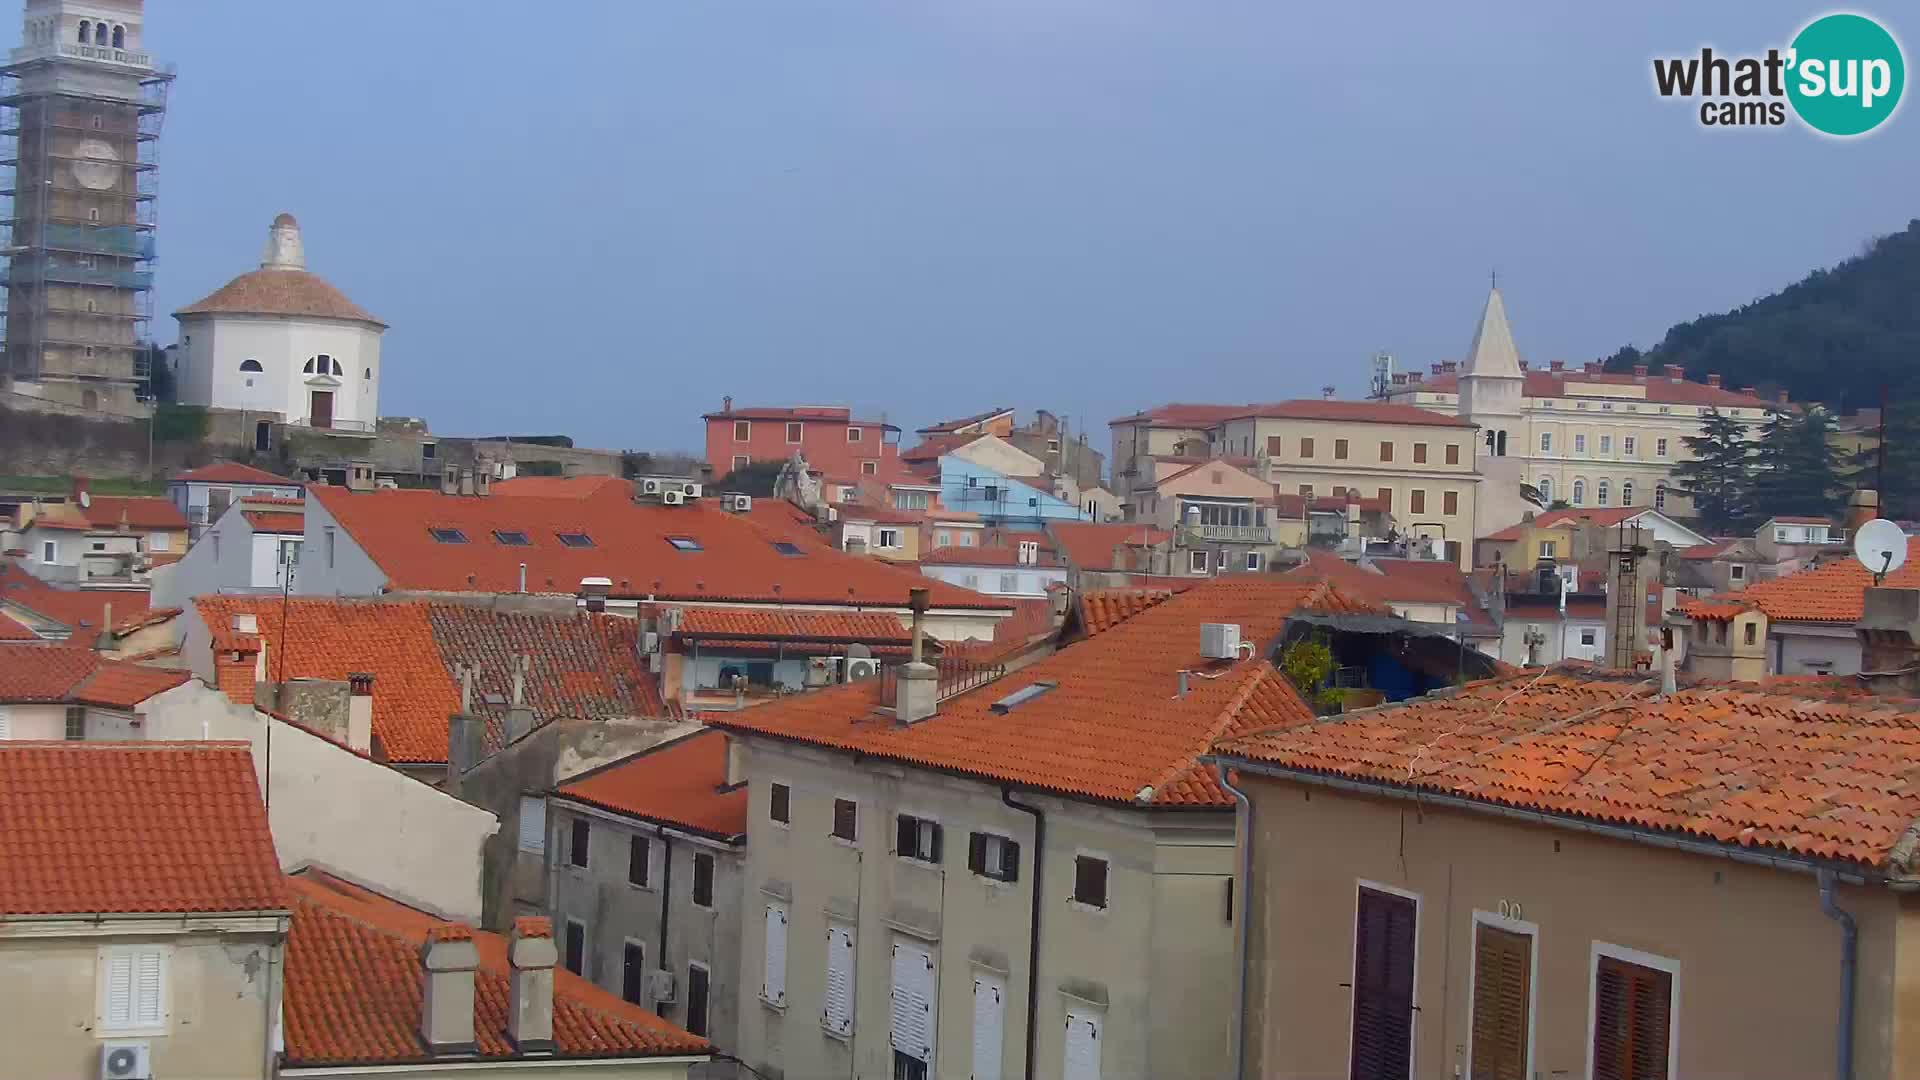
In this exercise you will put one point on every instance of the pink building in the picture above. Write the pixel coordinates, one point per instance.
(834, 444)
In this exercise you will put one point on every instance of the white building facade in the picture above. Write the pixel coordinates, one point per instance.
(281, 340)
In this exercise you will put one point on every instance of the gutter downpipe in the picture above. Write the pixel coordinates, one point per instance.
(1243, 886)
(1849, 966)
(1033, 930)
(666, 896)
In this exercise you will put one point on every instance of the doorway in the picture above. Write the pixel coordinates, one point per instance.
(321, 413)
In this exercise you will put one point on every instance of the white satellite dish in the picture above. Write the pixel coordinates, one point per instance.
(1880, 546)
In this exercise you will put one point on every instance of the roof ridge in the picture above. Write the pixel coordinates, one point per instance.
(1218, 729)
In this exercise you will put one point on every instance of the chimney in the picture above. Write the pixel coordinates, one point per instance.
(246, 623)
(360, 711)
(1640, 371)
(1059, 599)
(1591, 367)
(531, 956)
(465, 733)
(736, 762)
(447, 961)
(483, 479)
(519, 713)
(593, 593)
(1781, 397)
(466, 481)
(1889, 634)
(1748, 391)
(1557, 365)
(103, 642)
(1862, 506)
(1415, 377)
(1676, 372)
(726, 404)
(917, 689)
(450, 480)
(1713, 378)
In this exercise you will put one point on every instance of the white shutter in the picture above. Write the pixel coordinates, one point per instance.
(6, 725)
(1083, 1046)
(839, 1014)
(775, 987)
(147, 988)
(913, 1000)
(533, 825)
(118, 1012)
(989, 1024)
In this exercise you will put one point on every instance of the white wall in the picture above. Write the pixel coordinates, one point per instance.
(1030, 582)
(218, 344)
(33, 722)
(1802, 649)
(339, 569)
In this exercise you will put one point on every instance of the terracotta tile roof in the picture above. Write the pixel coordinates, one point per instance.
(933, 446)
(1352, 412)
(1103, 609)
(1390, 581)
(1551, 383)
(1112, 725)
(231, 472)
(1739, 765)
(133, 828)
(1712, 610)
(44, 672)
(1833, 593)
(79, 610)
(1789, 519)
(1182, 415)
(965, 421)
(1089, 545)
(296, 293)
(354, 989)
(1712, 550)
(14, 631)
(1030, 623)
(996, 548)
(145, 512)
(630, 546)
(268, 521)
(872, 627)
(563, 486)
(583, 666)
(682, 783)
(839, 414)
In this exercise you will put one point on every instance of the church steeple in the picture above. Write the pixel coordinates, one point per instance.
(1492, 352)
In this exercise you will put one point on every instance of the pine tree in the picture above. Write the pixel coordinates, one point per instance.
(1797, 470)
(1719, 478)
(1899, 483)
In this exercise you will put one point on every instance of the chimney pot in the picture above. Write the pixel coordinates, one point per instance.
(1676, 372)
(448, 959)
(360, 711)
(1639, 371)
(1557, 365)
(726, 403)
(1781, 397)
(1748, 391)
(531, 956)
(1713, 378)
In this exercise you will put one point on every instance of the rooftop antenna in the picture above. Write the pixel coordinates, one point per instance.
(1881, 547)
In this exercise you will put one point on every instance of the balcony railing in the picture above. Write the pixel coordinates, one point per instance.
(1225, 534)
(953, 675)
(47, 50)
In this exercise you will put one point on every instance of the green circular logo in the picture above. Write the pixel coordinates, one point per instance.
(1845, 74)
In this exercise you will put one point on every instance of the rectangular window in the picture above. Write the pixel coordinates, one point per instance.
(1453, 453)
(639, 861)
(741, 461)
(533, 824)
(889, 538)
(1386, 451)
(837, 1016)
(510, 538)
(49, 551)
(1082, 1051)
(698, 979)
(1419, 453)
(1449, 503)
(703, 879)
(1580, 444)
(76, 723)
(1276, 445)
(1253, 560)
(633, 971)
(1737, 572)
(1627, 445)
(989, 1024)
(574, 539)
(1632, 1020)
(913, 1004)
(1546, 442)
(575, 956)
(1547, 548)
(1197, 561)
(1752, 632)
(1090, 880)
(917, 839)
(448, 536)
(1606, 444)
(133, 990)
(780, 804)
(908, 1067)
(1587, 637)
(793, 434)
(1502, 1003)
(869, 468)
(1339, 449)
(773, 986)
(577, 847)
(1306, 491)
(1417, 501)
(1306, 448)
(1385, 495)
(1383, 944)
(1009, 583)
(993, 856)
(742, 431)
(853, 434)
(1659, 448)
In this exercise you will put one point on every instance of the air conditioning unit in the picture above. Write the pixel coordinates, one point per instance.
(1220, 641)
(742, 503)
(126, 1059)
(862, 667)
(649, 486)
(691, 491)
(673, 498)
(662, 987)
(649, 641)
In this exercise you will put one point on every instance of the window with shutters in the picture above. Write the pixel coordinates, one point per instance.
(633, 970)
(1090, 880)
(1383, 959)
(639, 861)
(908, 1067)
(1632, 1015)
(837, 1017)
(703, 879)
(132, 990)
(1450, 503)
(846, 819)
(1386, 451)
(1453, 453)
(1306, 447)
(698, 979)
(533, 824)
(1417, 501)
(580, 833)
(912, 1003)
(993, 856)
(917, 839)
(780, 804)
(1083, 1045)
(773, 988)
(989, 1025)
(574, 956)
(1419, 453)
(1502, 1022)
(1340, 449)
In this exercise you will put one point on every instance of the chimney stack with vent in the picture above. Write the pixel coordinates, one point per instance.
(360, 711)
(1676, 372)
(593, 593)
(448, 959)
(1640, 371)
(450, 480)
(531, 956)
(1713, 378)
(519, 713)
(917, 689)
(465, 743)
(1889, 634)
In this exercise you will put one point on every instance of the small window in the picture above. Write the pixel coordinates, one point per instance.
(1627, 445)
(1580, 444)
(1449, 503)
(1632, 1019)
(1453, 453)
(1547, 549)
(846, 819)
(1306, 447)
(1660, 496)
(687, 543)
(429, 451)
(1751, 633)
(1600, 493)
(1419, 453)
(742, 431)
(1737, 572)
(1587, 637)
(633, 971)
(908, 1067)
(1417, 501)
(1090, 880)
(1197, 562)
(784, 547)
(1546, 442)
(533, 824)
(889, 538)
(77, 720)
(793, 434)
(741, 461)
(1253, 560)
(1579, 492)
(1339, 449)
(511, 538)
(1386, 451)
(1606, 444)
(917, 839)
(577, 849)
(448, 536)
(1009, 583)
(703, 879)
(49, 551)
(697, 983)
(1626, 493)
(133, 990)
(1660, 446)
(575, 957)
(853, 434)
(639, 860)
(780, 804)
(993, 856)
(250, 364)
(869, 468)
(574, 539)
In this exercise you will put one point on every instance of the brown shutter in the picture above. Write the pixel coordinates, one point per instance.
(1383, 987)
(1632, 1017)
(1502, 974)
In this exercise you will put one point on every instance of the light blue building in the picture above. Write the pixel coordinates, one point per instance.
(999, 499)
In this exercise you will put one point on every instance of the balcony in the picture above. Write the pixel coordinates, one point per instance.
(1225, 534)
(67, 50)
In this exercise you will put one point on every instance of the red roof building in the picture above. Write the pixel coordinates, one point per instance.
(831, 440)
(41, 673)
(682, 784)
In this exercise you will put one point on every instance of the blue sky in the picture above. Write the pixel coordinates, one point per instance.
(601, 217)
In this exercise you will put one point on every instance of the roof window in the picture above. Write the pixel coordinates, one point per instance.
(684, 543)
(448, 536)
(511, 538)
(1019, 697)
(575, 539)
(786, 547)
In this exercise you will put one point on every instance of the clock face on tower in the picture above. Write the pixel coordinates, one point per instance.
(96, 165)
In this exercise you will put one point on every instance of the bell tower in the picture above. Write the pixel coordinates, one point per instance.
(1492, 384)
(80, 111)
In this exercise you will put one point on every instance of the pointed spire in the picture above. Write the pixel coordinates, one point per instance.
(1492, 351)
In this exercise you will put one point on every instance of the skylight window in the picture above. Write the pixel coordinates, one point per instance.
(1020, 697)
(575, 539)
(448, 536)
(684, 543)
(511, 538)
(786, 547)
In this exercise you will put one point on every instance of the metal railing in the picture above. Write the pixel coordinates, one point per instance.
(47, 50)
(953, 675)
(77, 275)
(1225, 534)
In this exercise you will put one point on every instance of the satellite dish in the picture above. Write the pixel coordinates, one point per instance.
(1880, 546)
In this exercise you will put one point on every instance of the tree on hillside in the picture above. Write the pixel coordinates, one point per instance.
(1899, 484)
(1719, 479)
(1796, 468)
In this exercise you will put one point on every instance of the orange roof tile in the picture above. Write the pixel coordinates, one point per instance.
(1808, 774)
(14, 631)
(996, 548)
(1113, 724)
(1359, 412)
(1834, 593)
(354, 989)
(965, 421)
(573, 487)
(1711, 610)
(133, 828)
(276, 291)
(1089, 545)
(269, 522)
(1391, 581)
(82, 611)
(231, 472)
(48, 673)
(872, 627)
(138, 511)
(630, 545)
(682, 783)
(1104, 609)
